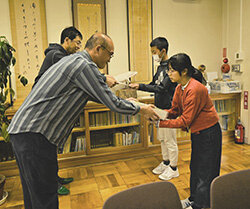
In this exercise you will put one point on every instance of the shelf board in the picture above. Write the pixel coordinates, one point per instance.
(71, 154)
(78, 129)
(92, 128)
(225, 113)
(114, 148)
(228, 130)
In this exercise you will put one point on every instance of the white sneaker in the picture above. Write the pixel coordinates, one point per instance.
(160, 168)
(169, 173)
(187, 203)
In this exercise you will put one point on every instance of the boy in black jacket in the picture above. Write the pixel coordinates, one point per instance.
(163, 88)
(71, 42)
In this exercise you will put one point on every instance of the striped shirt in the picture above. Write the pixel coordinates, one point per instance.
(60, 95)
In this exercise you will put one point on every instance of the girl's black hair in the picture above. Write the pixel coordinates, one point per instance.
(182, 61)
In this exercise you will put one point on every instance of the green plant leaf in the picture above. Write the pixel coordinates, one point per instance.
(13, 61)
(6, 60)
(4, 132)
(2, 97)
(2, 108)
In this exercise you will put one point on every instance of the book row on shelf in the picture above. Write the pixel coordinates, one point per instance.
(126, 138)
(224, 105)
(75, 143)
(227, 122)
(111, 118)
(80, 121)
(102, 138)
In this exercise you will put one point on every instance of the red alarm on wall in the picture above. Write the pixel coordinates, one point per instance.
(225, 68)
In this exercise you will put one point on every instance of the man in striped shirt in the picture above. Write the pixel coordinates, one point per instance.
(46, 117)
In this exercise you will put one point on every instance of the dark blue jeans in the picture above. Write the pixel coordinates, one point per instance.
(36, 158)
(205, 164)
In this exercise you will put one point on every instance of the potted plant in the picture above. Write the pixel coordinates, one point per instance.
(6, 61)
(3, 194)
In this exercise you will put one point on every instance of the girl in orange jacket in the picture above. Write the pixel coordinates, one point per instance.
(192, 108)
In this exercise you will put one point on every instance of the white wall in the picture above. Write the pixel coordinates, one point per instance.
(116, 15)
(5, 30)
(238, 39)
(193, 28)
(5, 20)
(58, 16)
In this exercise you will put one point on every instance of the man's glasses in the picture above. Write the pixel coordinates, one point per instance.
(111, 54)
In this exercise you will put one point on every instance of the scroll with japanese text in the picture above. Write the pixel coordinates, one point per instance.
(29, 38)
(89, 18)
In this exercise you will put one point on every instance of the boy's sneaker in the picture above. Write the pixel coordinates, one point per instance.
(169, 173)
(65, 180)
(187, 203)
(160, 168)
(62, 190)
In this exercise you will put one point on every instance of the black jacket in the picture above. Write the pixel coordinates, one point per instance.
(53, 54)
(162, 86)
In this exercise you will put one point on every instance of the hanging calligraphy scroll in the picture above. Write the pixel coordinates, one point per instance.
(89, 17)
(140, 36)
(29, 38)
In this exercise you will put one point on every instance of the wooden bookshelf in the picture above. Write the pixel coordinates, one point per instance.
(228, 108)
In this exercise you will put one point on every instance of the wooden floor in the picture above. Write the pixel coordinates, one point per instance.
(93, 184)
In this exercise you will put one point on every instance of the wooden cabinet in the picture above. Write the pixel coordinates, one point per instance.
(228, 109)
(104, 131)
(100, 135)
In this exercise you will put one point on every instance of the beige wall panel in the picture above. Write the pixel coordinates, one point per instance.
(89, 18)
(139, 14)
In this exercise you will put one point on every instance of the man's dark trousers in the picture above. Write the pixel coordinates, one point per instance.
(37, 161)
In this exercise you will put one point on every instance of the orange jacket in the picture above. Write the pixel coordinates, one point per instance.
(194, 106)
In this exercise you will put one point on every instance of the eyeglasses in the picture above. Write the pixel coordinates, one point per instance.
(111, 54)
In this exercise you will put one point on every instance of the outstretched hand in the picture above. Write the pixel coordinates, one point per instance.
(111, 81)
(148, 112)
(134, 86)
